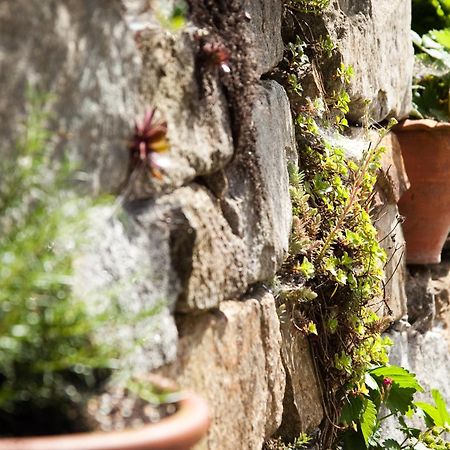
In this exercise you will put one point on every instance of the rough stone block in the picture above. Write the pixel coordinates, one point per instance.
(392, 183)
(372, 36)
(208, 259)
(232, 357)
(123, 264)
(265, 26)
(255, 198)
(197, 118)
(303, 409)
(83, 54)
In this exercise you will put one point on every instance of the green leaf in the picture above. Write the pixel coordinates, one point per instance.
(402, 377)
(390, 444)
(441, 406)
(351, 411)
(400, 399)
(307, 268)
(368, 419)
(442, 37)
(432, 412)
(371, 383)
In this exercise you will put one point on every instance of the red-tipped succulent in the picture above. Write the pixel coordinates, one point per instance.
(148, 142)
(217, 55)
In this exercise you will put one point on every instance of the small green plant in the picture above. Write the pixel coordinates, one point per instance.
(48, 359)
(301, 443)
(173, 18)
(309, 6)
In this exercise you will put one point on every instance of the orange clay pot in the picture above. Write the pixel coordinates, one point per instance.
(180, 431)
(425, 148)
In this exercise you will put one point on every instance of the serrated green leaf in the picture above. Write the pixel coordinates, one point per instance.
(402, 377)
(442, 37)
(432, 412)
(441, 406)
(390, 444)
(368, 419)
(351, 412)
(400, 399)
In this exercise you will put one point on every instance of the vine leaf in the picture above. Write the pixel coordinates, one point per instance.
(368, 420)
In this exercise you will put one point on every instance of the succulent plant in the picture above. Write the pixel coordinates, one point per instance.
(217, 55)
(148, 142)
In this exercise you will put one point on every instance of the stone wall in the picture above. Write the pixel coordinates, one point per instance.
(208, 236)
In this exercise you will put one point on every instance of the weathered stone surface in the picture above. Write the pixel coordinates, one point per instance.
(197, 118)
(369, 37)
(440, 275)
(303, 409)
(83, 54)
(388, 224)
(428, 356)
(209, 260)
(393, 178)
(255, 196)
(231, 356)
(122, 264)
(391, 184)
(265, 25)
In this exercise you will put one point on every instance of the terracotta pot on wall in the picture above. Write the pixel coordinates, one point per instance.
(425, 148)
(180, 431)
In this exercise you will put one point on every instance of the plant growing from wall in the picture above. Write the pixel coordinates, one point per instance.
(308, 6)
(333, 279)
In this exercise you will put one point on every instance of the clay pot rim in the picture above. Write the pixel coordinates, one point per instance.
(180, 430)
(421, 124)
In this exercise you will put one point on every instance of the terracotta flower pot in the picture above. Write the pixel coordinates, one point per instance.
(180, 431)
(425, 148)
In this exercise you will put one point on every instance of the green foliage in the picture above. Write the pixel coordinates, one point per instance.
(52, 359)
(302, 442)
(335, 254)
(310, 6)
(48, 358)
(394, 389)
(173, 18)
(430, 14)
(432, 78)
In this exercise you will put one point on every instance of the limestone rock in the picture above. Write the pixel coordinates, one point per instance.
(83, 54)
(123, 265)
(197, 116)
(254, 191)
(391, 184)
(303, 409)
(231, 356)
(372, 36)
(265, 25)
(388, 224)
(209, 260)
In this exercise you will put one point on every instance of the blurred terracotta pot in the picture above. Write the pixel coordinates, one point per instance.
(425, 148)
(179, 431)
